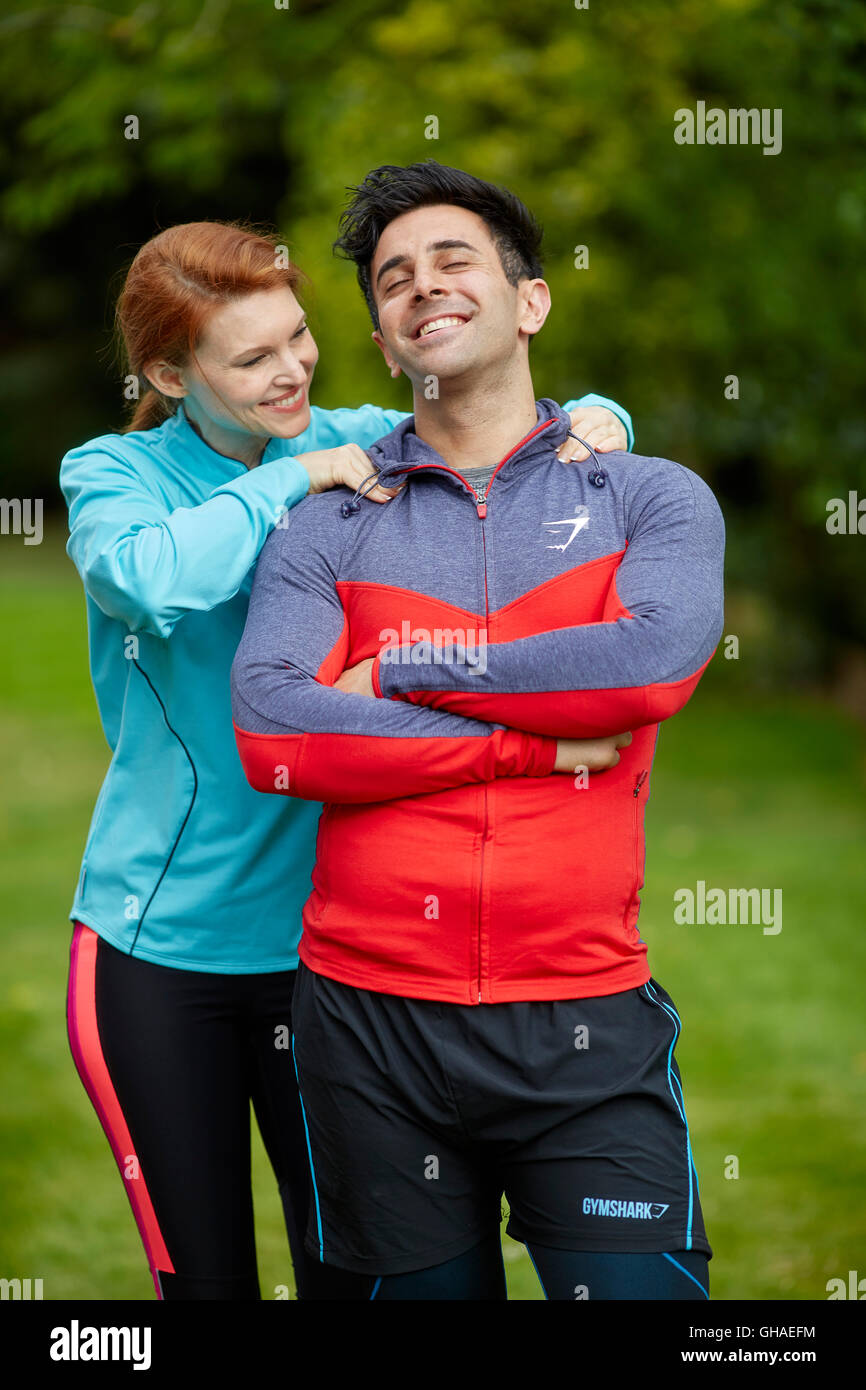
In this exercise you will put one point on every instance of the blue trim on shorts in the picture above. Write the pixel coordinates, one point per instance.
(535, 1267)
(672, 1014)
(310, 1155)
(694, 1169)
(682, 1097)
(686, 1273)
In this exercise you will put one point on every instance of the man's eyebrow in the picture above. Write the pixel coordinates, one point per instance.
(448, 245)
(451, 246)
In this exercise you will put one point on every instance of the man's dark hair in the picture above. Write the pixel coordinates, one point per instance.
(391, 190)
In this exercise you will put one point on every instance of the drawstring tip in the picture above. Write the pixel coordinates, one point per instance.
(350, 508)
(597, 477)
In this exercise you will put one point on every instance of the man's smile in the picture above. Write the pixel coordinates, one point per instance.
(439, 324)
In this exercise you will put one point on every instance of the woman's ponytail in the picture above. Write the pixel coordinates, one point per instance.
(152, 410)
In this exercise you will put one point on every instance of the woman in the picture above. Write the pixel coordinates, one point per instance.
(189, 900)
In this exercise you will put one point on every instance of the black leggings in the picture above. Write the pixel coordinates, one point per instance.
(572, 1275)
(171, 1060)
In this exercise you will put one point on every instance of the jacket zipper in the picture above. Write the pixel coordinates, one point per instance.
(480, 497)
(481, 508)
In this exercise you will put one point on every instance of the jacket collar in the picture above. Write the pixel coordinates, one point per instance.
(191, 445)
(402, 452)
(178, 431)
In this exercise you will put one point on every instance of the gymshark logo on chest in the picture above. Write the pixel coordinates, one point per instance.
(578, 523)
(612, 1206)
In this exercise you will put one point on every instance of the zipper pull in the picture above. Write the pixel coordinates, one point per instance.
(639, 783)
(480, 501)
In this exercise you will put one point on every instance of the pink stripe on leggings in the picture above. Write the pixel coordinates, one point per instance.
(93, 1070)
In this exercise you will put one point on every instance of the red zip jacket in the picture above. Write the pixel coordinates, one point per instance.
(451, 862)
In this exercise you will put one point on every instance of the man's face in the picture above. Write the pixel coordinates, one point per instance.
(445, 307)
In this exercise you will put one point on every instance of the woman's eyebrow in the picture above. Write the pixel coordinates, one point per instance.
(264, 347)
(245, 352)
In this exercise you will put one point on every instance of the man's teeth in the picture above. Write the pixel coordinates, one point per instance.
(437, 323)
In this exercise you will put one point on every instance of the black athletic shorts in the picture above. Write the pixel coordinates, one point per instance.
(420, 1115)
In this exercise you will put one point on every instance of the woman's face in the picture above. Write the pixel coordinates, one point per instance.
(253, 366)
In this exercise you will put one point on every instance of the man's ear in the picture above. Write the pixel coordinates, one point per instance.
(165, 378)
(535, 305)
(380, 341)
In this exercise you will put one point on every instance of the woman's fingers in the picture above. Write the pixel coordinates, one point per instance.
(599, 427)
(601, 438)
(359, 472)
(572, 452)
(345, 466)
(610, 441)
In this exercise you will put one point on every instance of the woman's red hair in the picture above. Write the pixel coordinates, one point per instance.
(176, 282)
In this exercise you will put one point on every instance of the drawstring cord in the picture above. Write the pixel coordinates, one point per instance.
(349, 508)
(598, 476)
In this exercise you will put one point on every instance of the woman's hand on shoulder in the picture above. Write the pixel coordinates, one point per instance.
(345, 466)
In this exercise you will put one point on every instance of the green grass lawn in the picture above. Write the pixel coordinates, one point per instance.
(747, 792)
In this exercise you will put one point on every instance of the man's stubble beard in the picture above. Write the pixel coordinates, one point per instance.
(488, 376)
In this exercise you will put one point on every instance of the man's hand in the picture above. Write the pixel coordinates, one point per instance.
(357, 679)
(595, 754)
(599, 427)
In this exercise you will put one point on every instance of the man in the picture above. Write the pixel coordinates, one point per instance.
(474, 1011)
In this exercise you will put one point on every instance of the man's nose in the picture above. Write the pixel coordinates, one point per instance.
(427, 284)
